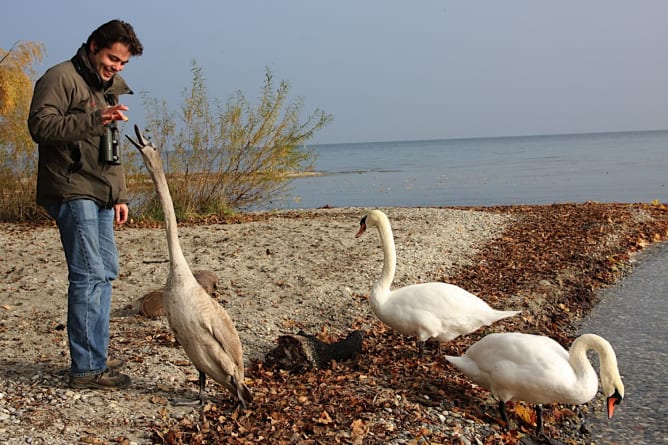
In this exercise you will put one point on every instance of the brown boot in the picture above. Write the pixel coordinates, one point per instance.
(109, 379)
(115, 363)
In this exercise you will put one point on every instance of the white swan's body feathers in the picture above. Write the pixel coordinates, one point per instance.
(538, 370)
(526, 367)
(429, 310)
(441, 311)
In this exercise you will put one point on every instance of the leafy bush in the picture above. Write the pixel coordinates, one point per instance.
(221, 158)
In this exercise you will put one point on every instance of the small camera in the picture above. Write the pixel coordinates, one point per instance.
(110, 149)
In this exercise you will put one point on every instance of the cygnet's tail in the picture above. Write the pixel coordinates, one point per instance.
(243, 394)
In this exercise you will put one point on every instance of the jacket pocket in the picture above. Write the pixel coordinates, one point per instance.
(76, 162)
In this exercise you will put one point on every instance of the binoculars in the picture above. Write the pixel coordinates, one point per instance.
(110, 148)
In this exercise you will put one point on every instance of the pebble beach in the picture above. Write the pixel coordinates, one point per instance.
(279, 273)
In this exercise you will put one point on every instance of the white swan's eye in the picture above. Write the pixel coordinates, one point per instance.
(618, 397)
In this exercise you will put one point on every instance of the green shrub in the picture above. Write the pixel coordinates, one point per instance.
(223, 158)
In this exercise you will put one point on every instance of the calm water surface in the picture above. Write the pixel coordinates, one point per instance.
(604, 167)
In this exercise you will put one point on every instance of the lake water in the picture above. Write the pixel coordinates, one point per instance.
(604, 167)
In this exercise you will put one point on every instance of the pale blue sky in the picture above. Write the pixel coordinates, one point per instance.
(392, 69)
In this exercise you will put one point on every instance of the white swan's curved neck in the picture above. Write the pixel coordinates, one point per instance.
(577, 356)
(382, 287)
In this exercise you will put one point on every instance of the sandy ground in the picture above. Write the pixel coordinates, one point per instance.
(277, 275)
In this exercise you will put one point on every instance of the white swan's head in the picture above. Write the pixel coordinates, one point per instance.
(611, 381)
(373, 218)
(614, 400)
(613, 388)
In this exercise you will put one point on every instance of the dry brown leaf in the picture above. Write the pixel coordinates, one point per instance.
(525, 413)
(359, 428)
(324, 418)
(158, 400)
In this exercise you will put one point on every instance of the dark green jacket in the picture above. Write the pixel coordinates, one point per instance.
(65, 121)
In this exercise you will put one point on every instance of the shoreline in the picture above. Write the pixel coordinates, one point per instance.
(303, 269)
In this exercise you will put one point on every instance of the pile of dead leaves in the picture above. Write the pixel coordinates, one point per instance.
(549, 264)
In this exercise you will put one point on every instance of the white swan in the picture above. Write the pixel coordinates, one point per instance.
(428, 310)
(201, 325)
(536, 369)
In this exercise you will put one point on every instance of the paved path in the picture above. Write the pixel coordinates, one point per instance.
(633, 317)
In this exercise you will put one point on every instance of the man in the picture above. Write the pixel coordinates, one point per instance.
(81, 184)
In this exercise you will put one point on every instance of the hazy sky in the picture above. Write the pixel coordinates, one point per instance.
(393, 69)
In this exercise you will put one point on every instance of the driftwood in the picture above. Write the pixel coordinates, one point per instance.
(151, 304)
(301, 352)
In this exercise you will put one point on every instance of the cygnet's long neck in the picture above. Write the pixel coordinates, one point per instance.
(381, 289)
(178, 261)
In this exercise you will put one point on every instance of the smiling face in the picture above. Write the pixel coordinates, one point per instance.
(109, 61)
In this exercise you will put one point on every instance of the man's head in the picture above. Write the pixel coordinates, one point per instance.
(110, 47)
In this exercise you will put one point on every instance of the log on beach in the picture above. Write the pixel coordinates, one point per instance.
(301, 352)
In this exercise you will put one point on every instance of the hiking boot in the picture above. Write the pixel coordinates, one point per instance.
(115, 363)
(109, 379)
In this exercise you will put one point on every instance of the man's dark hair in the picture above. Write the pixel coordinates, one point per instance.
(116, 31)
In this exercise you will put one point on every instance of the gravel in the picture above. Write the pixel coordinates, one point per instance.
(293, 270)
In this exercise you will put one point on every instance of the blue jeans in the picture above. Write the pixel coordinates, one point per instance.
(87, 235)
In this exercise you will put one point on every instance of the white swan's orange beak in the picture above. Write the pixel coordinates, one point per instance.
(613, 401)
(361, 230)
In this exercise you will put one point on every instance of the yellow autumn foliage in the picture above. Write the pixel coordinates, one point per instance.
(17, 74)
(17, 150)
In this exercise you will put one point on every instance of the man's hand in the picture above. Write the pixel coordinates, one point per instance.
(113, 113)
(121, 212)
